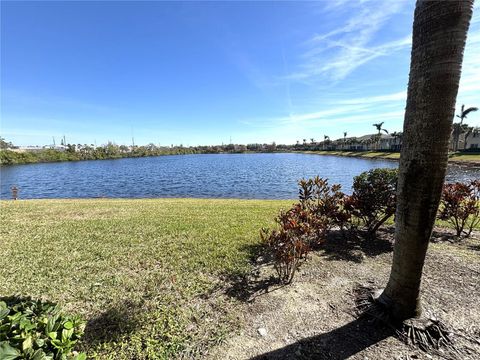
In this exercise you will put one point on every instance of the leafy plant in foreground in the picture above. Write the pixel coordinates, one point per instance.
(325, 203)
(32, 329)
(290, 242)
(460, 206)
(304, 226)
(373, 200)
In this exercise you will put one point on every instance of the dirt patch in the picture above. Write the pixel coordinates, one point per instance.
(314, 317)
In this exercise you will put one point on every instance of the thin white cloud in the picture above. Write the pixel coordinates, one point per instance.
(395, 97)
(349, 46)
(29, 100)
(287, 84)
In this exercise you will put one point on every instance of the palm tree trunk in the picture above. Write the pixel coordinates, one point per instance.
(439, 34)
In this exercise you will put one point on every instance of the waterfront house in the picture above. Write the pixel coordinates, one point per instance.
(471, 140)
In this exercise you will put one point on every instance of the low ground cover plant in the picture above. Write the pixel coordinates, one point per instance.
(460, 206)
(32, 329)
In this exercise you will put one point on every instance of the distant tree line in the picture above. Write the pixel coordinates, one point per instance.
(10, 154)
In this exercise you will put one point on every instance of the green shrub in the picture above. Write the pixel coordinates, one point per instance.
(32, 329)
(8, 157)
(374, 198)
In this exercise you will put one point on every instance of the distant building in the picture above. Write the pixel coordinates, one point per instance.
(362, 143)
(473, 140)
(468, 140)
(21, 149)
(55, 147)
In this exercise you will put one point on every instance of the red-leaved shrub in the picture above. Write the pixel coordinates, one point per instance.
(304, 226)
(460, 206)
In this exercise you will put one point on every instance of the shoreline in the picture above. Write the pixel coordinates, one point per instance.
(464, 159)
(455, 159)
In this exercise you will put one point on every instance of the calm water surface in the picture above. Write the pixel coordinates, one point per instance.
(255, 176)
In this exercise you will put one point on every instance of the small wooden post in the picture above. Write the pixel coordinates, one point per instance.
(14, 192)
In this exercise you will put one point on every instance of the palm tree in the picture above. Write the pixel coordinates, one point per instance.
(458, 128)
(304, 142)
(344, 139)
(380, 129)
(325, 139)
(439, 34)
(368, 142)
(396, 136)
(312, 141)
(470, 130)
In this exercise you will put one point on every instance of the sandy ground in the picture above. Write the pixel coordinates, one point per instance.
(314, 317)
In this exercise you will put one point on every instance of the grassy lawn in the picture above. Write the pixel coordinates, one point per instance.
(367, 154)
(473, 158)
(142, 272)
(148, 275)
(465, 157)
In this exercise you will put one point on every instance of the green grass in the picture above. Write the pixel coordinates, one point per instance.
(367, 154)
(143, 272)
(465, 157)
(146, 274)
(461, 157)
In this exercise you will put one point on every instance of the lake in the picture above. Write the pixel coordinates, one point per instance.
(255, 176)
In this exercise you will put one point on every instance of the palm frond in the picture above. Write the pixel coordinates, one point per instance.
(468, 111)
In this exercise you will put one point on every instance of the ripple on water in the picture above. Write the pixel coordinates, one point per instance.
(256, 176)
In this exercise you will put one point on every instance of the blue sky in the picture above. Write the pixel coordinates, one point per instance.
(201, 72)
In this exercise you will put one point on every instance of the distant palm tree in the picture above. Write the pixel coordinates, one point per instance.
(325, 139)
(380, 129)
(312, 141)
(464, 112)
(352, 141)
(458, 128)
(396, 136)
(344, 139)
(470, 131)
(304, 142)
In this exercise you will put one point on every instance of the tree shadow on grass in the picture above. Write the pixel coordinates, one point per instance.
(118, 320)
(443, 235)
(352, 246)
(343, 246)
(246, 287)
(474, 247)
(337, 344)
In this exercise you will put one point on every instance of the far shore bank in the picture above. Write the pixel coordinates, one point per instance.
(464, 159)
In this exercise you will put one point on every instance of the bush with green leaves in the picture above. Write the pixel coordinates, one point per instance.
(374, 198)
(36, 330)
